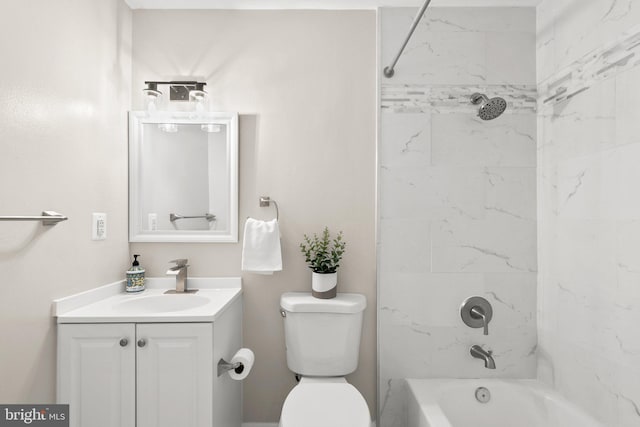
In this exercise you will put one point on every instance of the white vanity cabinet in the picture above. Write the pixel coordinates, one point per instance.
(142, 375)
(150, 359)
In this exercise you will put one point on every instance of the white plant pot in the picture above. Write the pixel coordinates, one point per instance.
(324, 286)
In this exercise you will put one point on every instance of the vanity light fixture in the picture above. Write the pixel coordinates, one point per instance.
(178, 90)
(190, 91)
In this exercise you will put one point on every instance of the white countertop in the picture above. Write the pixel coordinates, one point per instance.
(110, 304)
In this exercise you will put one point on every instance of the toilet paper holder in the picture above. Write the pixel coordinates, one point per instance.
(224, 367)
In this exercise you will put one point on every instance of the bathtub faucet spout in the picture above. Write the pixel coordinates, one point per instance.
(479, 353)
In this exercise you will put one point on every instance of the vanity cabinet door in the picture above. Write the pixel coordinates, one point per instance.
(96, 374)
(175, 374)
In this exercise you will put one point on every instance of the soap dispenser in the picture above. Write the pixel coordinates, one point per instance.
(135, 276)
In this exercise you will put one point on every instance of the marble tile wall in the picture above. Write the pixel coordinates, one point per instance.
(457, 197)
(589, 205)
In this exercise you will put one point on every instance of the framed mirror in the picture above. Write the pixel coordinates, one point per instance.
(183, 177)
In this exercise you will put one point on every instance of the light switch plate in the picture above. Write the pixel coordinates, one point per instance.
(99, 226)
(153, 221)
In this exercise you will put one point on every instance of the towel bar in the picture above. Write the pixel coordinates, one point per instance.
(174, 217)
(47, 218)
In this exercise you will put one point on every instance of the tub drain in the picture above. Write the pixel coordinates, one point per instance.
(483, 395)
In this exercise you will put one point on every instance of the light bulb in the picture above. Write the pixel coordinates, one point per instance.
(199, 97)
(168, 127)
(211, 128)
(152, 96)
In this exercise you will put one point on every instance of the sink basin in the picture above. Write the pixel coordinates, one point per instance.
(160, 304)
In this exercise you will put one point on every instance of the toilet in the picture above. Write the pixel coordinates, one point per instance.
(322, 339)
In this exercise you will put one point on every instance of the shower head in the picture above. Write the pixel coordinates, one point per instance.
(489, 108)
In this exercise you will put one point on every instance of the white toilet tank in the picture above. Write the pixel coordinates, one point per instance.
(322, 335)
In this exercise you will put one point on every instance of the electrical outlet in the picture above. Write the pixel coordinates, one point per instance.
(99, 226)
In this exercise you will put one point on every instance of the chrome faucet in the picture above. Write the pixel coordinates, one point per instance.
(479, 353)
(180, 271)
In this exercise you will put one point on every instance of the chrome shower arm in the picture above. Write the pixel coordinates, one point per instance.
(388, 71)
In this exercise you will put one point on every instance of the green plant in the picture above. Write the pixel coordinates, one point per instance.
(323, 254)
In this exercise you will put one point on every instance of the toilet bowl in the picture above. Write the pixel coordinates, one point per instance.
(324, 402)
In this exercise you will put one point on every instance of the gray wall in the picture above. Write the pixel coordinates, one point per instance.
(589, 209)
(304, 85)
(65, 84)
(457, 197)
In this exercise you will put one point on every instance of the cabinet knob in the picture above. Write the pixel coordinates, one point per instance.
(141, 342)
(124, 342)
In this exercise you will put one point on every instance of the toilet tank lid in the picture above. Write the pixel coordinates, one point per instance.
(304, 302)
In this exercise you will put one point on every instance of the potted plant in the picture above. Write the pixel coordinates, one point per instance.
(322, 255)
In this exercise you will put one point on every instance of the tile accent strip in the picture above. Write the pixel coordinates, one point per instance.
(600, 64)
(422, 98)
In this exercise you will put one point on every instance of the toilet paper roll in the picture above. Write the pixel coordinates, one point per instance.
(246, 357)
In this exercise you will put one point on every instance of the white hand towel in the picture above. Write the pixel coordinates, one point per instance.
(261, 251)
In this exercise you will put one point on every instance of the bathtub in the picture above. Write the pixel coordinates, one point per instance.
(512, 403)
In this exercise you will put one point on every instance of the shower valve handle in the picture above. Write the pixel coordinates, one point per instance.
(478, 313)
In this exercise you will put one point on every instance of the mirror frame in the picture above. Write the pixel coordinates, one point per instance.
(139, 118)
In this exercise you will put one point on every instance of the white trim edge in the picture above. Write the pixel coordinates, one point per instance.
(373, 424)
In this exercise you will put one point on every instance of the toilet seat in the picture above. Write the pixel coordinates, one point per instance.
(323, 403)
